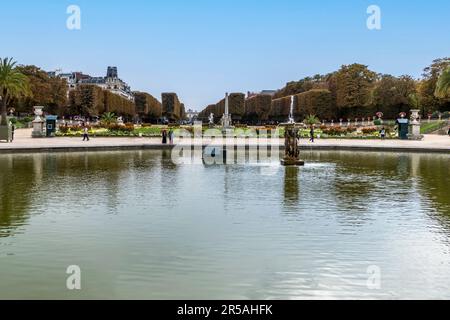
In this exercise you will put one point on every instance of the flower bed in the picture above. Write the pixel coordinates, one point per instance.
(129, 130)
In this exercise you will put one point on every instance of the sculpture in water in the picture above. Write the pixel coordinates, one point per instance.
(291, 138)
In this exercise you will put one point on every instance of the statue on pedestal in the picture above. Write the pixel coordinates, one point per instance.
(291, 137)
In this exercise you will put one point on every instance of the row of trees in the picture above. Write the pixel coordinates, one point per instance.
(354, 91)
(89, 100)
(52, 92)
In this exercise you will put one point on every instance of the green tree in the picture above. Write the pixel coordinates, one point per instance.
(414, 101)
(309, 83)
(427, 87)
(13, 84)
(391, 95)
(443, 84)
(354, 88)
(47, 91)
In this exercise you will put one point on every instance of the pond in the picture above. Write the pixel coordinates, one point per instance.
(347, 225)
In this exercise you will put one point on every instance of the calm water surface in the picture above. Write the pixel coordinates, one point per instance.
(140, 227)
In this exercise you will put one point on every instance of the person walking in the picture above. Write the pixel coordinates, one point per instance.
(383, 133)
(164, 136)
(171, 136)
(13, 128)
(85, 133)
(311, 134)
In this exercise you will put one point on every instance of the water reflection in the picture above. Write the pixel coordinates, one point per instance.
(146, 228)
(18, 179)
(291, 186)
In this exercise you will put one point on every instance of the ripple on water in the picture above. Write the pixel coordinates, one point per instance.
(141, 227)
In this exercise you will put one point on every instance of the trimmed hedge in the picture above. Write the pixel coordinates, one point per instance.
(183, 112)
(147, 106)
(118, 105)
(318, 102)
(90, 100)
(236, 108)
(262, 108)
(87, 100)
(204, 115)
(257, 108)
(171, 106)
(280, 109)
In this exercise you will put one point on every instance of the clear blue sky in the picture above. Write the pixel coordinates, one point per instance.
(202, 48)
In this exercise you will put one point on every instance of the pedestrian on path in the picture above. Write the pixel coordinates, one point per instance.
(164, 136)
(85, 133)
(171, 136)
(311, 133)
(383, 134)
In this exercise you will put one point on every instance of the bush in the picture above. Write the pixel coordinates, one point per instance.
(369, 130)
(334, 131)
(115, 127)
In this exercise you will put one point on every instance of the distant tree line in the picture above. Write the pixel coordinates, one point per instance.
(90, 100)
(354, 91)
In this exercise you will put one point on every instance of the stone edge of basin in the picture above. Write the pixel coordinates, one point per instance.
(169, 147)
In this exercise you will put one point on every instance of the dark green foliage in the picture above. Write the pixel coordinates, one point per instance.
(87, 100)
(171, 106)
(257, 108)
(236, 106)
(118, 105)
(316, 102)
(47, 91)
(90, 100)
(280, 109)
(148, 107)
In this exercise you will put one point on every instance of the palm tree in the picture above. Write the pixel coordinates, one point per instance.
(108, 118)
(312, 120)
(443, 84)
(13, 84)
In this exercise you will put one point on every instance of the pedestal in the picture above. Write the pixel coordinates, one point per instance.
(415, 132)
(415, 126)
(38, 129)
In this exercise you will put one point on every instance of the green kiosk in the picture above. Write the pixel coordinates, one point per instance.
(403, 128)
(50, 125)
